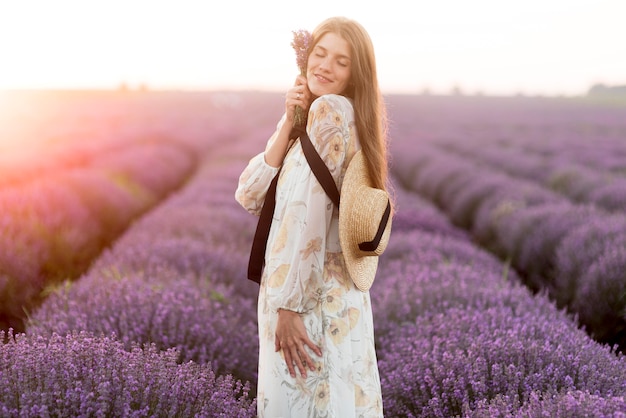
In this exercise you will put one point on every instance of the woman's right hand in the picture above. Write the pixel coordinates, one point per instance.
(297, 96)
(291, 337)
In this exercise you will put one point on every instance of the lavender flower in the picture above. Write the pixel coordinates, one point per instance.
(445, 364)
(197, 317)
(600, 298)
(574, 403)
(301, 43)
(580, 249)
(531, 236)
(86, 375)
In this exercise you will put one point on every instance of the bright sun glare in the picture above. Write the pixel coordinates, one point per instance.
(486, 45)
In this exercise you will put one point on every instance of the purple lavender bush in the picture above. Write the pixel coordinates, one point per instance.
(412, 287)
(449, 363)
(45, 236)
(567, 404)
(203, 320)
(600, 300)
(530, 236)
(413, 212)
(572, 181)
(199, 230)
(85, 375)
(505, 157)
(152, 168)
(581, 248)
(505, 198)
(610, 196)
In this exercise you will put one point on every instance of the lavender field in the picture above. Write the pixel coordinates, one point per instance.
(502, 292)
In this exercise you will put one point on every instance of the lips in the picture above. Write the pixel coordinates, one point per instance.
(322, 79)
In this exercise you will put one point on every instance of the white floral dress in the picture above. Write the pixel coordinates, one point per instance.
(305, 272)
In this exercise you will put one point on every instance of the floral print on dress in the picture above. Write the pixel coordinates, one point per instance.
(305, 272)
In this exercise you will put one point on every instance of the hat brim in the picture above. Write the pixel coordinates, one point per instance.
(362, 268)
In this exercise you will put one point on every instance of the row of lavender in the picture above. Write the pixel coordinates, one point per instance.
(601, 181)
(457, 335)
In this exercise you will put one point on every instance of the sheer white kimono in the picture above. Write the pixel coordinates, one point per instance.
(305, 272)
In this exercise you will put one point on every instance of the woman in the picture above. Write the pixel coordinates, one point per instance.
(317, 355)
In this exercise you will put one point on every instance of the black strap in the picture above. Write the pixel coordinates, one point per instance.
(321, 172)
(257, 253)
(320, 169)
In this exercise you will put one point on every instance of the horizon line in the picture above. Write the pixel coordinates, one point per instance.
(143, 89)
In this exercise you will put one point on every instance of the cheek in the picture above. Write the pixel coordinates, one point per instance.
(345, 75)
(312, 62)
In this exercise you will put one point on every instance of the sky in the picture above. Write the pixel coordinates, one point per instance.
(491, 47)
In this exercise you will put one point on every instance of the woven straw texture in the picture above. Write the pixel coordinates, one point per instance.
(360, 213)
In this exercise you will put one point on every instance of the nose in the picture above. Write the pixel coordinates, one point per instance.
(325, 65)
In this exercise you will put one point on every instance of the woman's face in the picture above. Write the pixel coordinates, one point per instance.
(329, 65)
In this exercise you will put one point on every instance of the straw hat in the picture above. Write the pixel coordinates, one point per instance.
(364, 223)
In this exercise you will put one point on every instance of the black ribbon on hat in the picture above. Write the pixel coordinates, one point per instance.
(373, 244)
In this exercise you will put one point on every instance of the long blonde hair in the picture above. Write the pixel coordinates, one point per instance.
(369, 107)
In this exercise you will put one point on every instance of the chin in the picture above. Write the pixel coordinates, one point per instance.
(318, 88)
(320, 92)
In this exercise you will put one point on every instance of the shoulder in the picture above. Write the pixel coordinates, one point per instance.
(333, 102)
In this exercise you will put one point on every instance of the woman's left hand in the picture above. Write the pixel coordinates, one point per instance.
(291, 337)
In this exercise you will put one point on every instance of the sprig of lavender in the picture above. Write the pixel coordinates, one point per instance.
(301, 43)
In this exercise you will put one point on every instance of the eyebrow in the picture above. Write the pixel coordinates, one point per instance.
(326, 50)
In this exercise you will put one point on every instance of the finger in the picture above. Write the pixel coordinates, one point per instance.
(290, 107)
(289, 361)
(292, 92)
(295, 98)
(307, 360)
(300, 80)
(276, 343)
(316, 349)
(299, 364)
